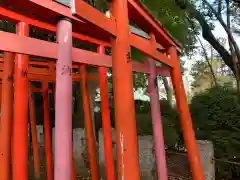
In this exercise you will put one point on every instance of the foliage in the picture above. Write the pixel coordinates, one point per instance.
(203, 78)
(170, 16)
(144, 121)
(209, 13)
(169, 121)
(198, 68)
(7, 26)
(216, 116)
(174, 20)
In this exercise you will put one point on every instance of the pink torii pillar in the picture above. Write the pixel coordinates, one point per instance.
(63, 103)
(157, 123)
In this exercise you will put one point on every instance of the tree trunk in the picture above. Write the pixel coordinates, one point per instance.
(92, 87)
(234, 58)
(207, 33)
(168, 90)
(208, 61)
(226, 27)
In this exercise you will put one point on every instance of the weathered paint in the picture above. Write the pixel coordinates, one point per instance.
(159, 145)
(106, 121)
(6, 116)
(63, 103)
(124, 108)
(88, 122)
(185, 118)
(20, 123)
(33, 125)
(47, 131)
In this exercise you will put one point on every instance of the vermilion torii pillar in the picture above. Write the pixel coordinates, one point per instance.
(20, 123)
(47, 131)
(6, 115)
(63, 103)
(106, 121)
(185, 117)
(126, 133)
(33, 125)
(88, 123)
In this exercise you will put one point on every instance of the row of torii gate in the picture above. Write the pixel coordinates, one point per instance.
(27, 59)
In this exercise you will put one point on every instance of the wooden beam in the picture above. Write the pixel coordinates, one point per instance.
(45, 49)
(136, 41)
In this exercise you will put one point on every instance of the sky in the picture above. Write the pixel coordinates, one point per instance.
(218, 32)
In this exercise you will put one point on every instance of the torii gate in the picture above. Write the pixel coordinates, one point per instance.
(87, 25)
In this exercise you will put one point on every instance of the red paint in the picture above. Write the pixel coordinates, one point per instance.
(140, 15)
(136, 41)
(50, 50)
(88, 122)
(20, 123)
(149, 49)
(159, 144)
(126, 133)
(63, 103)
(91, 15)
(47, 131)
(6, 116)
(106, 121)
(74, 177)
(33, 125)
(41, 25)
(185, 118)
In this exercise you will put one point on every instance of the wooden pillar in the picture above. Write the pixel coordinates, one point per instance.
(106, 121)
(20, 123)
(33, 125)
(126, 132)
(47, 131)
(185, 117)
(63, 103)
(88, 122)
(74, 176)
(159, 144)
(6, 115)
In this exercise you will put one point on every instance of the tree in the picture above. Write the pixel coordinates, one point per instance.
(174, 21)
(205, 13)
(203, 78)
(216, 114)
(171, 126)
(171, 17)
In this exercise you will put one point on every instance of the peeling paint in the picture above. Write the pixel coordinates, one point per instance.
(66, 38)
(122, 153)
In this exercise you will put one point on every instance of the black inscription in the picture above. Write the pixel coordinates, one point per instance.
(66, 70)
(24, 73)
(9, 78)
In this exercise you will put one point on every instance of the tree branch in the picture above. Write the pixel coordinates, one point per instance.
(219, 7)
(224, 25)
(208, 36)
(232, 49)
(168, 90)
(208, 62)
(207, 33)
(204, 52)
